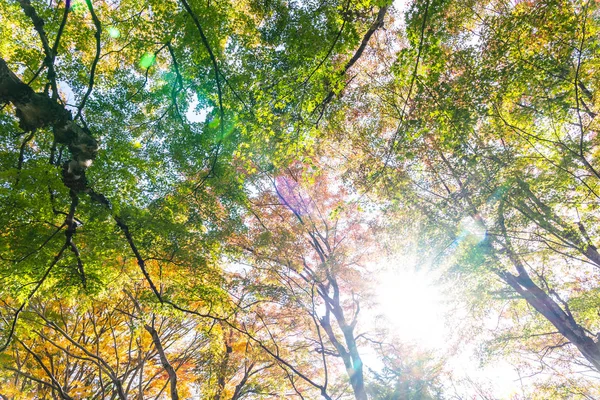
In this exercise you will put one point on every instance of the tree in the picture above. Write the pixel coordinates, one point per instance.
(194, 194)
(120, 128)
(312, 243)
(490, 128)
(100, 350)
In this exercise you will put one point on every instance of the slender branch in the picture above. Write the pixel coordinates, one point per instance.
(22, 155)
(94, 62)
(412, 83)
(38, 24)
(56, 385)
(378, 23)
(31, 294)
(61, 27)
(214, 63)
(339, 34)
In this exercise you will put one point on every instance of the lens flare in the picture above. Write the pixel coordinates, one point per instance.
(113, 32)
(147, 60)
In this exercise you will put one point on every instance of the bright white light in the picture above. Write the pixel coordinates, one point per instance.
(66, 93)
(401, 5)
(499, 378)
(194, 115)
(471, 230)
(415, 308)
(412, 304)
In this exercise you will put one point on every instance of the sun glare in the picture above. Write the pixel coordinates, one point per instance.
(412, 303)
(415, 307)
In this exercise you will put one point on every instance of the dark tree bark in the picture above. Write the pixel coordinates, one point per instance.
(164, 361)
(37, 110)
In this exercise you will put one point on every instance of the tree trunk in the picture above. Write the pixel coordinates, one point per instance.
(164, 361)
(563, 321)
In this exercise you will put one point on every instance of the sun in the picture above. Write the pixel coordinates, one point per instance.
(411, 302)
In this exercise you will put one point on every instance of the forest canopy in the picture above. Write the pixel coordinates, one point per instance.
(299, 199)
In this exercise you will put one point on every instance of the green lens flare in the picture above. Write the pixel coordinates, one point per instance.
(113, 32)
(77, 6)
(147, 60)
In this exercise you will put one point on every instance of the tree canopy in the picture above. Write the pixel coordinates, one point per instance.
(204, 199)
